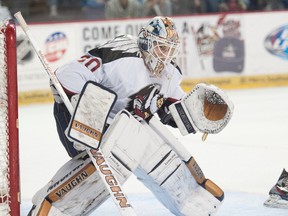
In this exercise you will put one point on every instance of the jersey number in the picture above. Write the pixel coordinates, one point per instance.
(90, 62)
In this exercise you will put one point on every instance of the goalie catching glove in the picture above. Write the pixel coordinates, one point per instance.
(206, 109)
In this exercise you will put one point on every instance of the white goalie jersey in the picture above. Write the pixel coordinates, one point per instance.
(150, 152)
(118, 65)
(112, 84)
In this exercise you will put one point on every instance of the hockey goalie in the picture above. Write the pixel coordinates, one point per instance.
(126, 93)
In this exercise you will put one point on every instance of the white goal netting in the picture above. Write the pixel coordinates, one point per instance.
(4, 154)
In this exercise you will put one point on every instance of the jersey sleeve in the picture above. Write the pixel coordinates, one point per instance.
(75, 74)
(178, 93)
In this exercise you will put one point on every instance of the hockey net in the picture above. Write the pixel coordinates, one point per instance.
(9, 150)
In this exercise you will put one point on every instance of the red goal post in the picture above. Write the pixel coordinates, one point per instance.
(9, 134)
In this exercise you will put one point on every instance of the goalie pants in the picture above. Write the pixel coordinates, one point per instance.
(62, 118)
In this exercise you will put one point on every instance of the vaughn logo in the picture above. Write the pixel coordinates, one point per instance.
(69, 184)
(277, 42)
(111, 181)
(85, 129)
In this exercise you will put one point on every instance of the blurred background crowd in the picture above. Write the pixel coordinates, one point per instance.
(69, 10)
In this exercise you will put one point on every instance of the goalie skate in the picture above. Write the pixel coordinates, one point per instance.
(275, 201)
(279, 193)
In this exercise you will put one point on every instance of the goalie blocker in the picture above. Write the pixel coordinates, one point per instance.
(92, 107)
(206, 109)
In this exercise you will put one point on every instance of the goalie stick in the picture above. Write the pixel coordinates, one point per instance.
(123, 206)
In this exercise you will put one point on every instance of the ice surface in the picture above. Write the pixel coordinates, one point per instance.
(245, 159)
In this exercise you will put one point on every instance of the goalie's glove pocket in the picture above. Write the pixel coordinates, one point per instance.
(206, 108)
(214, 106)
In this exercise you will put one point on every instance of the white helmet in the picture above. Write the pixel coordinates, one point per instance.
(160, 42)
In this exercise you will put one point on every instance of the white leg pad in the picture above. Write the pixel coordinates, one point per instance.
(163, 171)
(175, 187)
(84, 193)
(73, 189)
(157, 129)
(124, 144)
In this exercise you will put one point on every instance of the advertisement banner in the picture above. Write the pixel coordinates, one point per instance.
(242, 50)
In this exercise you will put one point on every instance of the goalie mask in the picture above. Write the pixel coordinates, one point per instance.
(159, 42)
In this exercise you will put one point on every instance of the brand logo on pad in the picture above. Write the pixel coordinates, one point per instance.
(111, 181)
(72, 182)
(277, 42)
(55, 46)
(85, 129)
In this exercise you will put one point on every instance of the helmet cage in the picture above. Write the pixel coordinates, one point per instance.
(162, 49)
